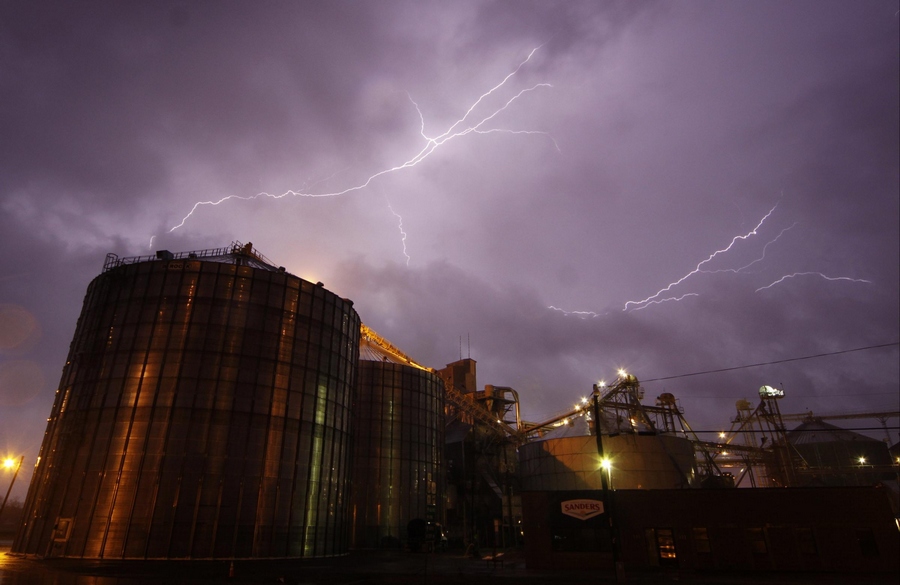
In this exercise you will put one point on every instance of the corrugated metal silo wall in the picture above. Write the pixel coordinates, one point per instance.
(397, 473)
(203, 412)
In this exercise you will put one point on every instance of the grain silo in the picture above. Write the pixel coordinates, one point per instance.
(203, 412)
(832, 456)
(399, 430)
(567, 459)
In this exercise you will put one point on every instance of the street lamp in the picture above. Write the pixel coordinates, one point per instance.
(8, 464)
(606, 465)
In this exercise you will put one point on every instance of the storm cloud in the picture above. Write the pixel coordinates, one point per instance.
(638, 140)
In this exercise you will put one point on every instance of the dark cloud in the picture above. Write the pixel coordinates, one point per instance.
(433, 311)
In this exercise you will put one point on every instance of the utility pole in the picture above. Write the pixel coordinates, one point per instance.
(605, 468)
(11, 483)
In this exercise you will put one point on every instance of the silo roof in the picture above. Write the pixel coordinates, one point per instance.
(818, 431)
(371, 352)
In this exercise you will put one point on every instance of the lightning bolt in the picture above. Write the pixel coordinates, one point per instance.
(402, 233)
(698, 267)
(461, 127)
(658, 301)
(783, 278)
(581, 314)
(760, 259)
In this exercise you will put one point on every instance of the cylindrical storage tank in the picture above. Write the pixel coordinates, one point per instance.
(637, 462)
(203, 412)
(399, 440)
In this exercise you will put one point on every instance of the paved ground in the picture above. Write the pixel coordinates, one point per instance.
(370, 568)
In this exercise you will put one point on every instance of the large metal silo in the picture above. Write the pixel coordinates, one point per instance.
(203, 412)
(567, 459)
(399, 439)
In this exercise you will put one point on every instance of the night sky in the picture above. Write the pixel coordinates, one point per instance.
(555, 189)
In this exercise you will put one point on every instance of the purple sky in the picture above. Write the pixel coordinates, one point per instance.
(639, 139)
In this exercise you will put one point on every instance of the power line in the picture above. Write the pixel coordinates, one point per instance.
(796, 359)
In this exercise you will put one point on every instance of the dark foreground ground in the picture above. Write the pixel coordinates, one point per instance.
(369, 568)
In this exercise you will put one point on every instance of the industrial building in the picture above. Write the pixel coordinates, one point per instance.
(585, 508)
(214, 406)
(483, 481)
(845, 529)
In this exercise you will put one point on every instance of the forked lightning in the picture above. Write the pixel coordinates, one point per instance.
(461, 127)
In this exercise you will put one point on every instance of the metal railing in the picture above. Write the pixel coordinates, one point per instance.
(235, 249)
